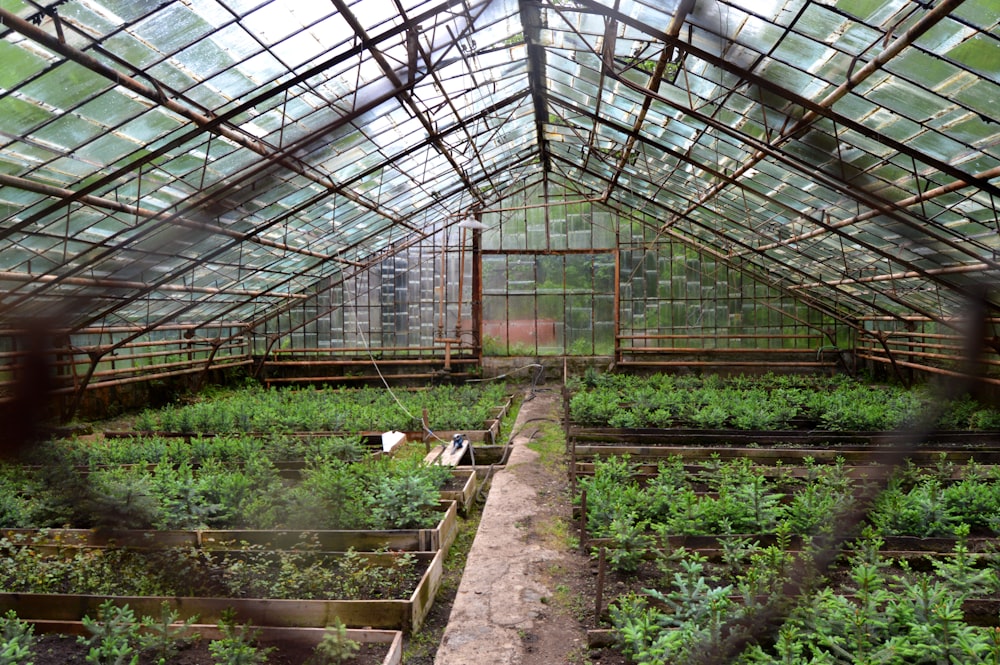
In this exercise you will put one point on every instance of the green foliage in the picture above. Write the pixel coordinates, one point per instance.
(405, 502)
(16, 640)
(332, 496)
(256, 409)
(742, 500)
(878, 616)
(595, 407)
(238, 644)
(163, 637)
(691, 621)
(250, 572)
(335, 647)
(768, 402)
(122, 498)
(630, 543)
(611, 493)
(921, 511)
(114, 635)
(342, 487)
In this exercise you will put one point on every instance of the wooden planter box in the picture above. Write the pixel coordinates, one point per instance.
(372, 439)
(892, 546)
(464, 496)
(717, 437)
(792, 456)
(870, 471)
(406, 615)
(440, 538)
(309, 637)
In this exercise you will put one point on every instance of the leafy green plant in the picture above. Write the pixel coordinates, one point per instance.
(611, 492)
(326, 410)
(335, 647)
(16, 640)
(630, 543)
(768, 402)
(922, 511)
(163, 637)
(694, 612)
(123, 498)
(404, 502)
(113, 637)
(332, 496)
(238, 644)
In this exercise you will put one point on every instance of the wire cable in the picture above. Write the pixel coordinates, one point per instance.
(371, 356)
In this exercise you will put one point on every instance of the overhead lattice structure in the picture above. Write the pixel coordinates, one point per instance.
(221, 164)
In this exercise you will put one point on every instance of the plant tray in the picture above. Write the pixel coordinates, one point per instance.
(440, 537)
(406, 615)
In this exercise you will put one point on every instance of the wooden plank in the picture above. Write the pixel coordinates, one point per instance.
(423, 596)
(410, 540)
(717, 437)
(448, 454)
(793, 455)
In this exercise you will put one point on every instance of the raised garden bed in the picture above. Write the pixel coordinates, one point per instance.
(291, 646)
(405, 614)
(681, 602)
(694, 548)
(794, 456)
(440, 537)
(445, 408)
(765, 404)
(462, 489)
(778, 438)
(391, 493)
(739, 495)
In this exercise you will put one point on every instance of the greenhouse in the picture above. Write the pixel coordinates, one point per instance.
(677, 257)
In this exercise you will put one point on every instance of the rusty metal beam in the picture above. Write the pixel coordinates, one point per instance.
(146, 213)
(796, 99)
(402, 87)
(105, 283)
(531, 23)
(891, 277)
(927, 195)
(885, 208)
(666, 57)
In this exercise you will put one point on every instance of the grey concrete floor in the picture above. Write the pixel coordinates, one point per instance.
(502, 596)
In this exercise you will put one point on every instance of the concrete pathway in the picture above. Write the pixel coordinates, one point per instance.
(501, 605)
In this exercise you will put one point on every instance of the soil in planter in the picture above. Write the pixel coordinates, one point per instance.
(65, 650)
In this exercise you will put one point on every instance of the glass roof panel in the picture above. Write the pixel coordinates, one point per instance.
(258, 116)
